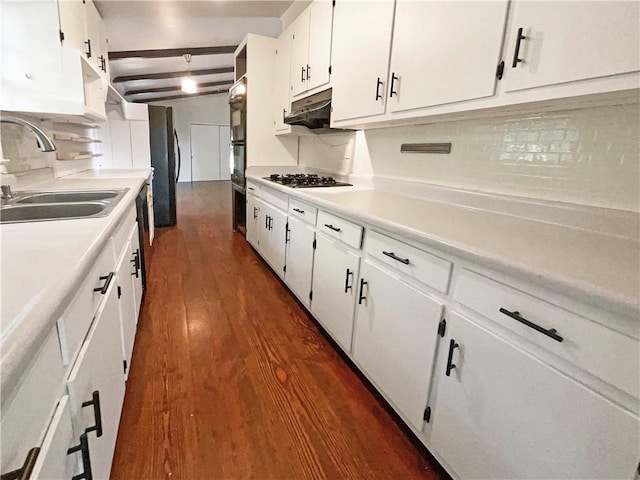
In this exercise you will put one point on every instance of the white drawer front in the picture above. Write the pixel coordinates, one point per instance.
(341, 229)
(253, 188)
(609, 355)
(422, 266)
(277, 199)
(303, 211)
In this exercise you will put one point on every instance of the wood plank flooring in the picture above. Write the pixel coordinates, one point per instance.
(230, 378)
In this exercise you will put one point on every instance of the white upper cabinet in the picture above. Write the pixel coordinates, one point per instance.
(360, 58)
(72, 24)
(569, 41)
(444, 52)
(282, 93)
(311, 47)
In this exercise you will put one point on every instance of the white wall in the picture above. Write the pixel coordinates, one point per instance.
(207, 109)
(588, 156)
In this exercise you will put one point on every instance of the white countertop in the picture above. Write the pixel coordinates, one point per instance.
(43, 264)
(595, 268)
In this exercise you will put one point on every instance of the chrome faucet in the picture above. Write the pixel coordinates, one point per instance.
(44, 143)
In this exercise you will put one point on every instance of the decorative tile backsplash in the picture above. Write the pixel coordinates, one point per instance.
(588, 156)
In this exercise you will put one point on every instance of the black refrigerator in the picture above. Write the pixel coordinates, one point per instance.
(165, 160)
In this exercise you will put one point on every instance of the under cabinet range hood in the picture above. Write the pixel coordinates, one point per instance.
(313, 112)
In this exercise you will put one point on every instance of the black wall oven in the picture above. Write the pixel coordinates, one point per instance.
(238, 123)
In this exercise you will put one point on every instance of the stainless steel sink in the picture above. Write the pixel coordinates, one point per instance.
(64, 197)
(39, 206)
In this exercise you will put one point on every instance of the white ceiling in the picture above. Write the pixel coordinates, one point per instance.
(163, 24)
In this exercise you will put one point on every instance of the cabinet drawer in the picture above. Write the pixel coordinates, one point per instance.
(253, 188)
(303, 211)
(609, 355)
(343, 230)
(27, 411)
(277, 199)
(121, 235)
(420, 265)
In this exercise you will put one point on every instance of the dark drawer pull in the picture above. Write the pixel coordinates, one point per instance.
(347, 287)
(516, 52)
(103, 289)
(335, 229)
(397, 258)
(97, 413)
(298, 210)
(24, 472)
(450, 365)
(361, 297)
(553, 333)
(136, 262)
(251, 188)
(83, 447)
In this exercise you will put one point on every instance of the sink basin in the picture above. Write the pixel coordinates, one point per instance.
(52, 211)
(64, 197)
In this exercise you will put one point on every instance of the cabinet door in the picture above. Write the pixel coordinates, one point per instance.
(253, 214)
(136, 273)
(300, 258)
(72, 25)
(263, 228)
(282, 84)
(126, 303)
(53, 460)
(99, 369)
(444, 52)
(504, 414)
(276, 234)
(300, 53)
(360, 58)
(93, 23)
(320, 22)
(568, 41)
(335, 273)
(395, 337)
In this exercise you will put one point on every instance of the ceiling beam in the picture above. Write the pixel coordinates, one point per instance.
(175, 97)
(181, 73)
(176, 87)
(172, 52)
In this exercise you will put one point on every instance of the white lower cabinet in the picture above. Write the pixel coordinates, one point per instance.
(272, 236)
(299, 265)
(253, 215)
(96, 385)
(136, 269)
(335, 274)
(395, 338)
(502, 413)
(54, 460)
(127, 304)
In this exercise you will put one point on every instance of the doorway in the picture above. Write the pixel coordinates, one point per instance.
(210, 152)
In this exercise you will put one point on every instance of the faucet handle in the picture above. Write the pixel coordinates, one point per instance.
(7, 194)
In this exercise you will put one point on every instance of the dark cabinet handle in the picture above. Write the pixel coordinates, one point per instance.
(255, 215)
(378, 85)
(102, 63)
(88, 44)
(361, 297)
(284, 114)
(24, 472)
(392, 92)
(103, 289)
(97, 413)
(516, 53)
(553, 333)
(298, 211)
(302, 76)
(251, 188)
(335, 229)
(270, 223)
(397, 258)
(308, 70)
(287, 238)
(83, 447)
(266, 221)
(136, 262)
(347, 287)
(450, 365)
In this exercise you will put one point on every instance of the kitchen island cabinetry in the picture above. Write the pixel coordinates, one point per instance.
(531, 420)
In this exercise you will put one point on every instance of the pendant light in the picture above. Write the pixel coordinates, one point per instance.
(188, 84)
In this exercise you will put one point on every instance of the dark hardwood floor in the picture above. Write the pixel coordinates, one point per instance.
(230, 377)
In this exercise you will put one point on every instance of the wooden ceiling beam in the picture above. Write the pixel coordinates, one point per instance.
(181, 73)
(172, 52)
(176, 97)
(176, 87)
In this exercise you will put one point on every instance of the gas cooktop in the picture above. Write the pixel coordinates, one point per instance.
(303, 180)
